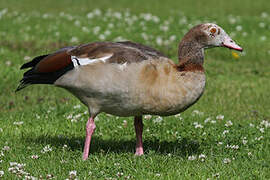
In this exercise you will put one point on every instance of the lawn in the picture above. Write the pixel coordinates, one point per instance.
(225, 135)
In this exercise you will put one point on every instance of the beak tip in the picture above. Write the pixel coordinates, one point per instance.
(240, 49)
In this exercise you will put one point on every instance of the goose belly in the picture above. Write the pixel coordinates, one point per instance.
(143, 88)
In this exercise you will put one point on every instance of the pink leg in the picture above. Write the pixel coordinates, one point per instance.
(139, 130)
(90, 129)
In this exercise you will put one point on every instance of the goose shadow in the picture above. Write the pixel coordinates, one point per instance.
(182, 147)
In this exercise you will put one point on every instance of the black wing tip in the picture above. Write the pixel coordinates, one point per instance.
(20, 87)
(24, 66)
(34, 61)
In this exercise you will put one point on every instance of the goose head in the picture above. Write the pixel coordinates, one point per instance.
(217, 37)
(205, 36)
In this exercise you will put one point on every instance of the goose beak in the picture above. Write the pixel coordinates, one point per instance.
(229, 43)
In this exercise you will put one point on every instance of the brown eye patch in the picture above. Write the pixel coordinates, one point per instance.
(213, 30)
(218, 31)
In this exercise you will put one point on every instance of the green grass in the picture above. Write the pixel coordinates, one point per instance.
(239, 89)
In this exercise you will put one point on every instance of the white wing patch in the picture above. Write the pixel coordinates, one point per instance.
(123, 66)
(84, 61)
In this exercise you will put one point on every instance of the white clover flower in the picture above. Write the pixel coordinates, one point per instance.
(159, 41)
(183, 20)
(228, 123)
(34, 156)
(226, 161)
(144, 36)
(1, 130)
(244, 34)
(163, 28)
(232, 146)
(46, 149)
(202, 157)
(232, 20)
(264, 15)
(249, 153)
(74, 120)
(192, 158)
(97, 12)
(90, 15)
(265, 123)
(244, 141)
(251, 125)
(85, 29)
(125, 123)
(158, 119)
(146, 16)
(110, 25)
(239, 28)
(74, 39)
(216, 175)
(27, 58)
(37, 116)
(120, 38)
(6, 148)
(119, 174)
(155, 19)
(225, 132)
(45, 16)
(77, 116)
(117, 15)
(96, 30)
(261, 24)
(258, 138)
(107, 32)
(69, 17)
(49, 176)
(8, 63)
(197, 112)
(13, 163)
(63, 161)
(213, 121)
(77, 106)
(102, 37)
(197, 125)
(207, 120)
(220, 117)
(172, 38)
(263, 38)
(3, 12)
(18, 123)
(77, 23)
(220, 143)
(261, 130)
(116, 164)
(2, 173)
(148, 116)
(70, 116)
(73, 173)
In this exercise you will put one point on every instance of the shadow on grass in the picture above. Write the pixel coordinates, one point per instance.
(181, 148)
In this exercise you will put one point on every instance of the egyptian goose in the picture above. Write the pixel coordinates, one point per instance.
(129, 79)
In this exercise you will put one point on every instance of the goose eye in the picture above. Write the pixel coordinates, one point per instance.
(213, 31)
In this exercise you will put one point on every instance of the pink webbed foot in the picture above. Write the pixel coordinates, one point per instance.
(138, 124)
(90, 129)
(139, 151)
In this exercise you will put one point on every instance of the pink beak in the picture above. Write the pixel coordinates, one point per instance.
(229, 43)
